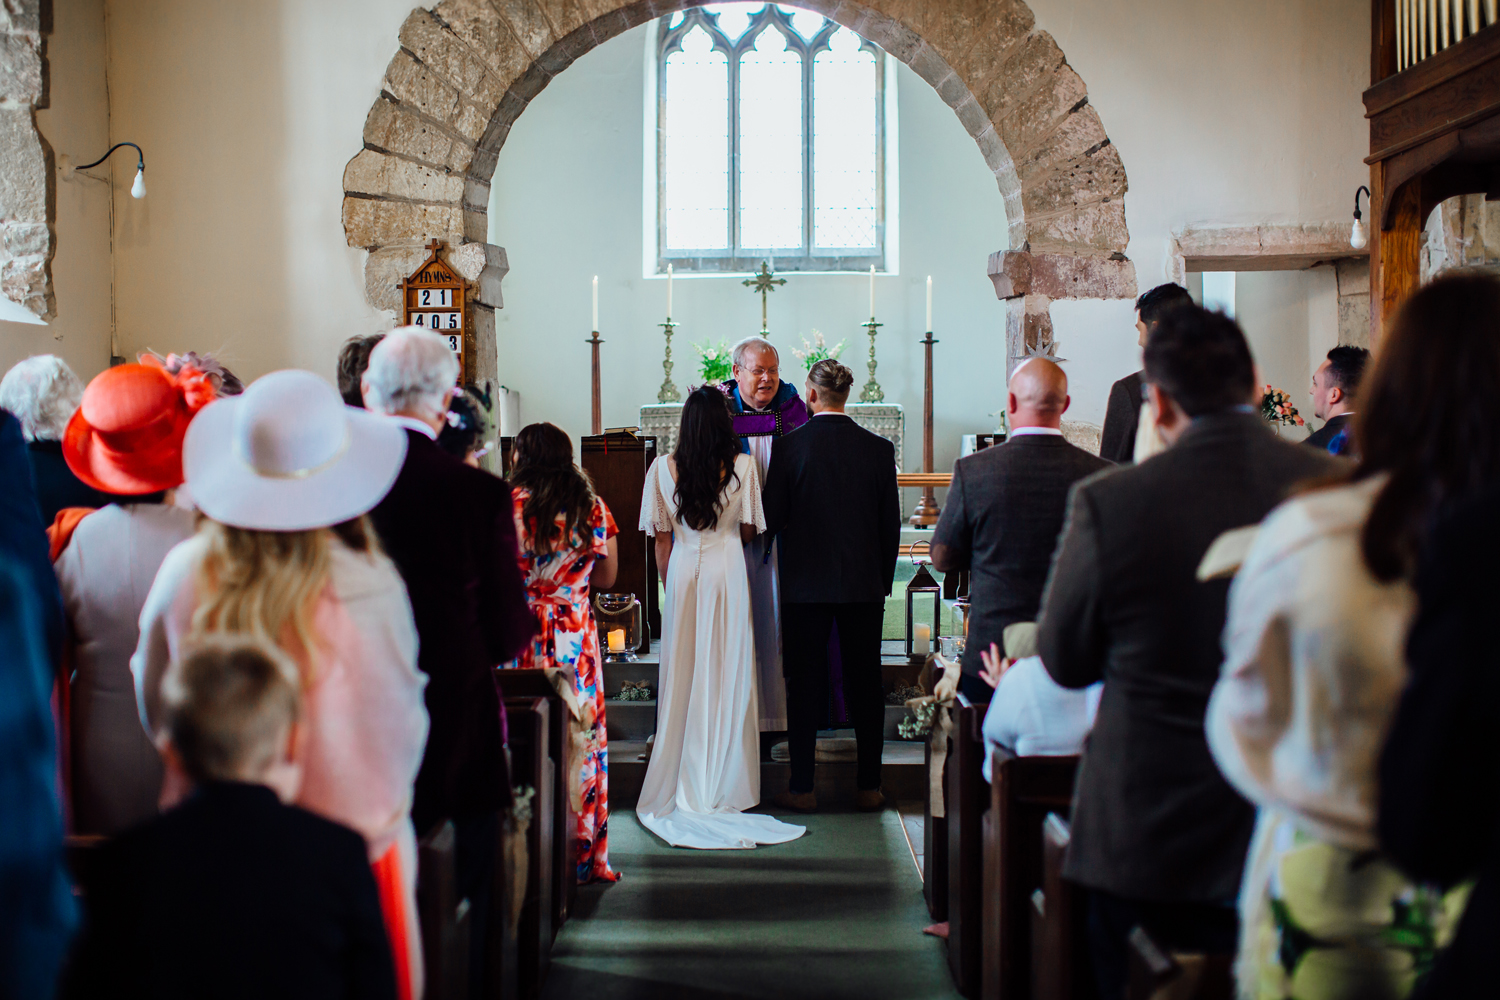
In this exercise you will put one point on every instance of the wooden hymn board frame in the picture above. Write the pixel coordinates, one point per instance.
(435, 297)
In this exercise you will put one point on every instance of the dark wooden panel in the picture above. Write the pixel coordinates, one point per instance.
(617, 463)
(968, 801)
(443, 917)
(531, 765)
(934, 848)
(1024, 791)
(1451, 90)
(1059, 948)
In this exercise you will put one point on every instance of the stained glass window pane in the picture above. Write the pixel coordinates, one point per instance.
(770, 123)
(695, 124)
(845, 136)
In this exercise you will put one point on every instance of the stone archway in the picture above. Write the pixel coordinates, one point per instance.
(466, 70)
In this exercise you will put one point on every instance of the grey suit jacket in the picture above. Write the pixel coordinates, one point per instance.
(1152, 817)
(1121, 419)
(1001, 520)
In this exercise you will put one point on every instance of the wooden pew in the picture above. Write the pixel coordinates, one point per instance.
(1157, 975)
(1024, 791)
(534, 684)
(968, 800)
(1059, 920)
(443, 917)
(934, 849)
(531, 766)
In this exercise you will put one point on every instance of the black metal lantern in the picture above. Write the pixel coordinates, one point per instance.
(921, 585)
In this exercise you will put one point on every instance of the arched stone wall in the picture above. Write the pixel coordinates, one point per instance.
(466, 70)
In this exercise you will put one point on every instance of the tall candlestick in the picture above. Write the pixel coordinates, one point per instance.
(929, 302)
(872, 291)
(596, 303)
(669, 291)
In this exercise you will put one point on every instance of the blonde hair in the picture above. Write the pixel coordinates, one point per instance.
(228, 703)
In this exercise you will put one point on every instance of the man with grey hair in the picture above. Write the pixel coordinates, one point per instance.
(764, 408)
(449, 529)
(42, 393)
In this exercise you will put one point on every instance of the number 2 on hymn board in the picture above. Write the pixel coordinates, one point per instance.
(439, 297)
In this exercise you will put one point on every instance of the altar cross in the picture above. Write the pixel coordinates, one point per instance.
(763, 283)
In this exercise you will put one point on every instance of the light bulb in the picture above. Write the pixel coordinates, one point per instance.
(1357, 236)
(138, 189)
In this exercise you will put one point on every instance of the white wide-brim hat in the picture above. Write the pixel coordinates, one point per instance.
(288, 455)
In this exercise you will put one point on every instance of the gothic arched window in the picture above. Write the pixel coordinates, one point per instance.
(770, 141)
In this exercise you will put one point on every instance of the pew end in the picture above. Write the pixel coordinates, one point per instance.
(1058, 912)
(1157, 975)
(443, 917)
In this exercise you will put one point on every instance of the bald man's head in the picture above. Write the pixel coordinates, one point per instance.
(1038, 394)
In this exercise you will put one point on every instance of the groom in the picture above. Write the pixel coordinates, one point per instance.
(764, 409)
(831, 499)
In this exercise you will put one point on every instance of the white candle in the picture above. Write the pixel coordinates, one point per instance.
(616, 640)
(872, 291)
(929, 302)
(596, 303)
(669, 291)
(921, 643)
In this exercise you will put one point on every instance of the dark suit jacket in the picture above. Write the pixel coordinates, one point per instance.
(1152, 817)
(1001, 520)
(450, 530)
(1439, 776)
(1121, 419)
(56, 485)
(1319, 438)
(831, 500)
(233, 894)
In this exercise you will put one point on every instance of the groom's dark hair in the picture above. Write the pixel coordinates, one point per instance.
(832, 380)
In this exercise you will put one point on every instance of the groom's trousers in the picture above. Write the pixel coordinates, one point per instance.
(805, 629)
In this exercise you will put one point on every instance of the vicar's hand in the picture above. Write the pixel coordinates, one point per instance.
(995, 665)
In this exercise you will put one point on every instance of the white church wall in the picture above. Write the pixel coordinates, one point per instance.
(76, 125)
(562, 220)
(1286, 316)
(1223, 113)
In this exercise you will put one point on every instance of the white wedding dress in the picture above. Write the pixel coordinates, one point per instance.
(705, 764)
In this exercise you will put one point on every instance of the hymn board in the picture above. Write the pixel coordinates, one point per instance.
(434, 297)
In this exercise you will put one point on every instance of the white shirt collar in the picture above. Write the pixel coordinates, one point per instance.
(412, 423)
(1022, 431)
(830, 413)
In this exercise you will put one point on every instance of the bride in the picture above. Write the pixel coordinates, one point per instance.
(701, 503)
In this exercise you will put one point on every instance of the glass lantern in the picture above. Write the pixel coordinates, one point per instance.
(922, 631)
(621, 626)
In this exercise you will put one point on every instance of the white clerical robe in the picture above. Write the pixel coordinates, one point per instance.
(765, 608)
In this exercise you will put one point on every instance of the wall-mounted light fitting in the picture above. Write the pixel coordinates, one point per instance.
(138, 189)
(1358, 237)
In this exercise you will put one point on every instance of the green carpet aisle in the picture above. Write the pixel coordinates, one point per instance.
(836, 913)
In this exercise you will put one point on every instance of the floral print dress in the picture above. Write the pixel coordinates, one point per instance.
(557, 589)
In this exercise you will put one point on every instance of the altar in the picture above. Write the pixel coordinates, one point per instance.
(888, 420)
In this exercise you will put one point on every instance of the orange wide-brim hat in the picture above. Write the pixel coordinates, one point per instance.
(126, 436)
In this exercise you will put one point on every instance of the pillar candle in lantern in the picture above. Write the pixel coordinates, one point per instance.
(617, 640)
(921, 639)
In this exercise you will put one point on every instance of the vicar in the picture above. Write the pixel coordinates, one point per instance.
(764, 408)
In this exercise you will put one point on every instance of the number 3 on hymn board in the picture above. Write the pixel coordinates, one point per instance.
(453, 343)
(434, 297)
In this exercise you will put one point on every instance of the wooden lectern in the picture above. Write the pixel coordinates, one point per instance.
(617, 462)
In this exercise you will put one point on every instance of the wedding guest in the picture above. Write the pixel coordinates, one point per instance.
(1030, 714)
(283, 475)
(451, 532)
(38, 915)
(1005, 510)
(234, 886)
(223, 381)
(1318, 620)
(354, 358)
(43, 393)
(831, 499)
(764, 409)
(464, 428)
(568, 550)
(1334, 386)
(701, 503)
(1122, 417)
(1159, 837)
(125, 440)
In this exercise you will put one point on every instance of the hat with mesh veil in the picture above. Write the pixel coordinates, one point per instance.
(288, 455)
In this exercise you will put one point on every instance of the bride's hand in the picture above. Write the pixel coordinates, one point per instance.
(994, 667)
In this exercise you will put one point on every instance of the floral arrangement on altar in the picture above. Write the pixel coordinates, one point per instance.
(1276, 406)
(817, 351)
(714, 363)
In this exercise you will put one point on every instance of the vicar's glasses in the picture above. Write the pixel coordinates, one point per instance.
(763, 372)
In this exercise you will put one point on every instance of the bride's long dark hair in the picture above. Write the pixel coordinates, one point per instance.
(706, 449)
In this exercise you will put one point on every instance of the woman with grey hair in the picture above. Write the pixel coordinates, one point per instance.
(42, 392)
